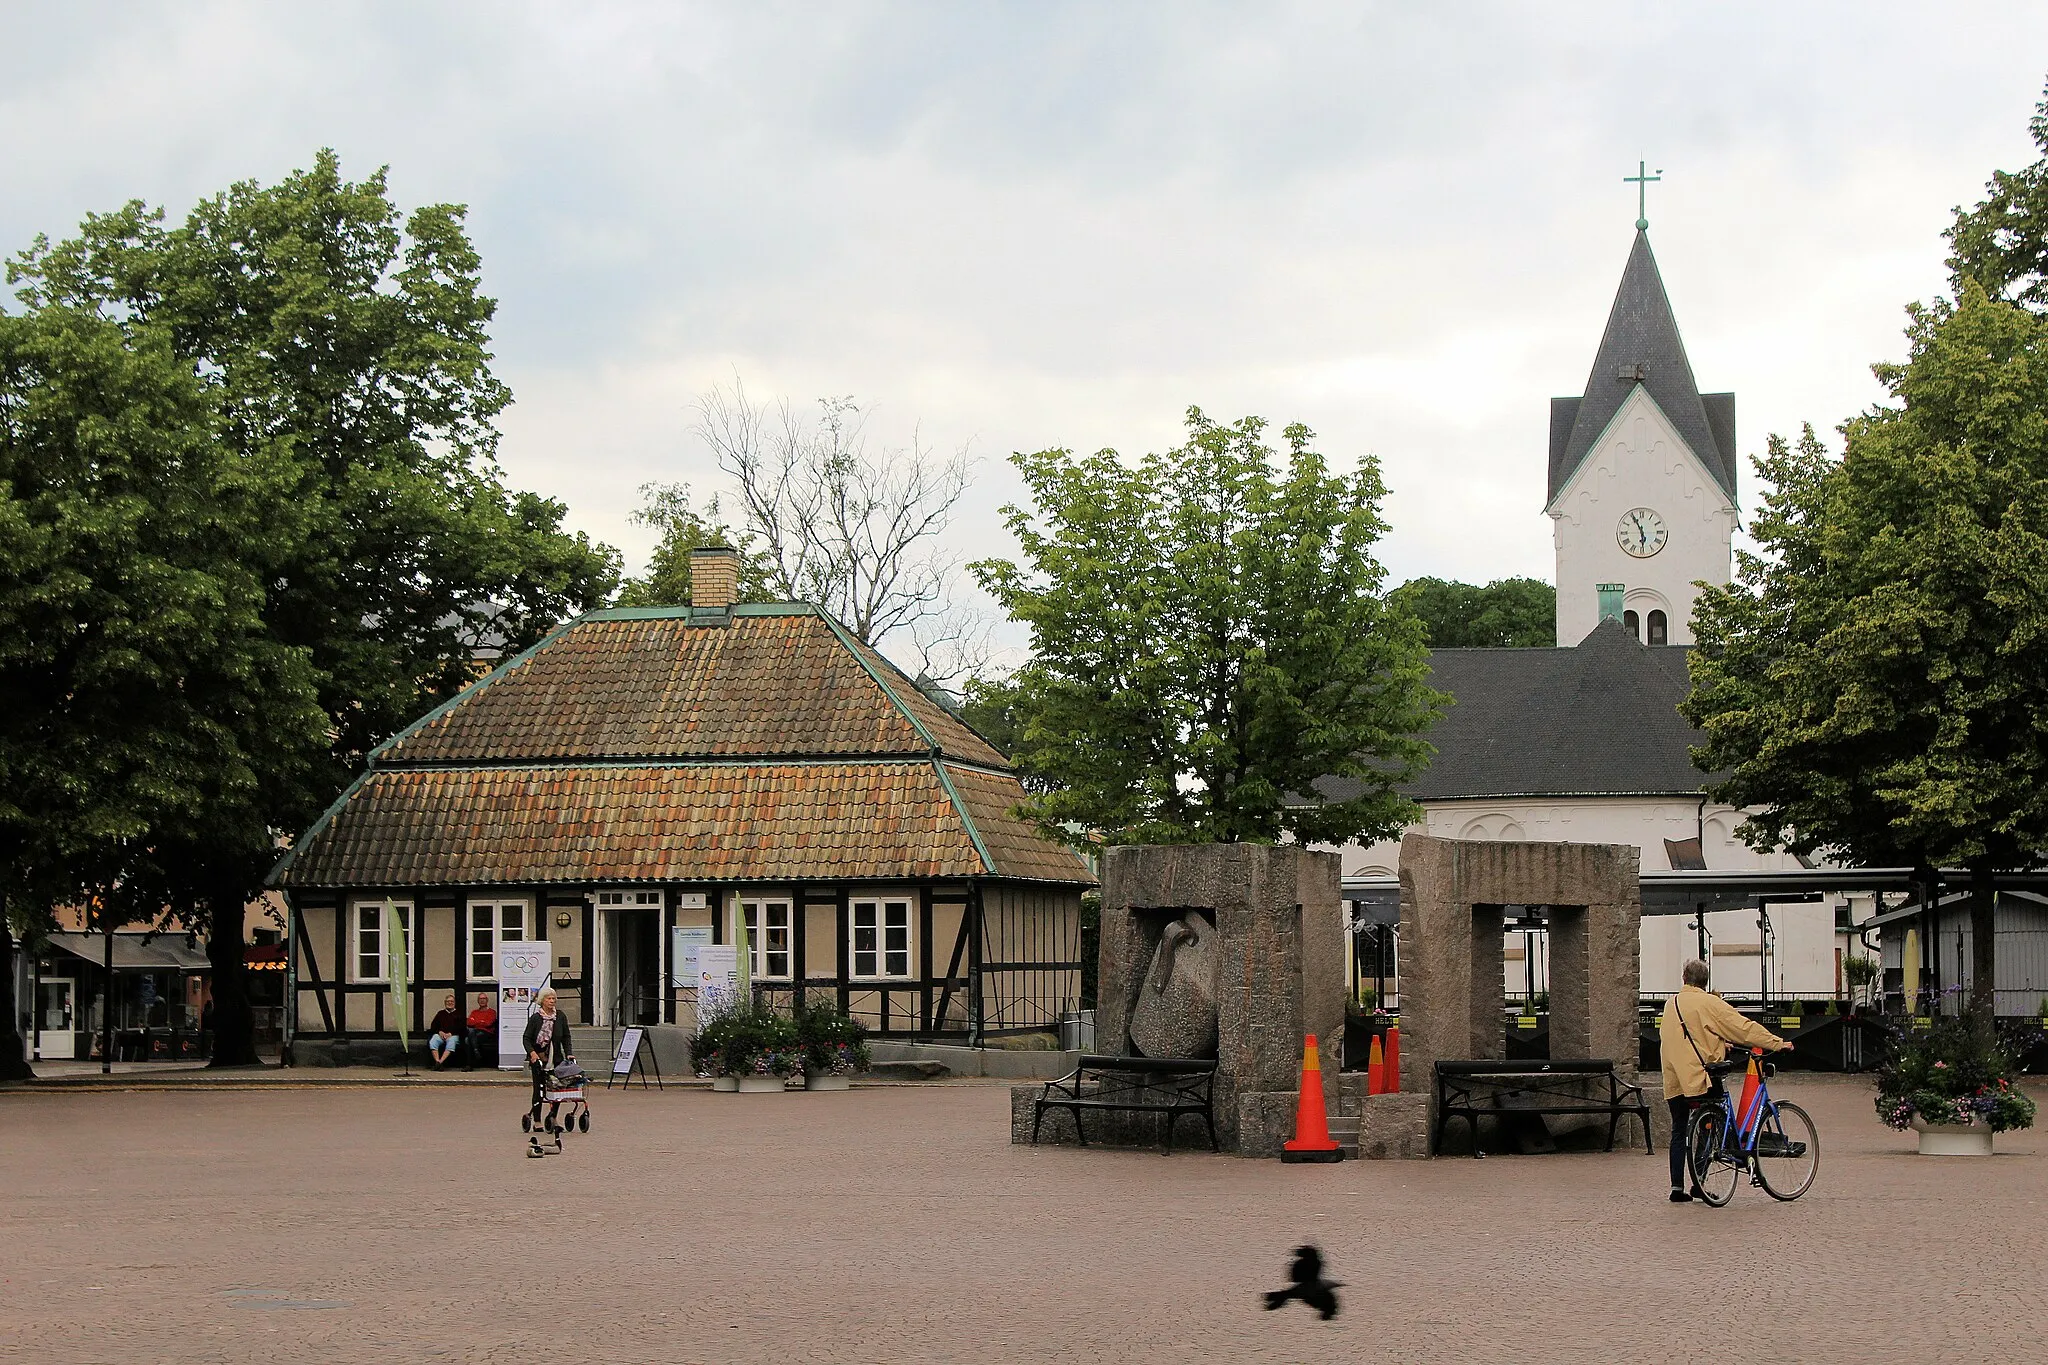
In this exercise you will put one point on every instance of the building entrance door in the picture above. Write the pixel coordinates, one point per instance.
(56, 1017)
(629, 968)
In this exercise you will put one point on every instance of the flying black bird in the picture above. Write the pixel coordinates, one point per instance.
(1309, 1285)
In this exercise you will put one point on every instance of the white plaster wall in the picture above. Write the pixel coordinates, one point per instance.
(1639, 461)
(1804, 939)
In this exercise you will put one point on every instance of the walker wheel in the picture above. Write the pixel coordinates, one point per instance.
(583, 1122)
(526, 1123)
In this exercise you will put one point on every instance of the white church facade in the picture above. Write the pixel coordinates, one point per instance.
(1584, 742)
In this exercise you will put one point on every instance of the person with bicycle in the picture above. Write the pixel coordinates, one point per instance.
(1699, 1027)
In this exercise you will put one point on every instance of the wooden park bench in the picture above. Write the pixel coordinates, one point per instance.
(1505, 1090)
(1146, 1085)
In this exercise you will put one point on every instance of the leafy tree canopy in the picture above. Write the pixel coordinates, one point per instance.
(1209, 639)
(667, 508)
(1508, 612)
(2002, 243)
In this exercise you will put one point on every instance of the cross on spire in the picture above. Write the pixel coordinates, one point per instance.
(1641, 180)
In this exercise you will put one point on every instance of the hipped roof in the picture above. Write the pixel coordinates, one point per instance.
(658, 745)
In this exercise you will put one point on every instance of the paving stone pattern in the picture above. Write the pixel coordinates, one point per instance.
(900, 1224)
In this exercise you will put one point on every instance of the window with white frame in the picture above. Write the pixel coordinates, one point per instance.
(376, 939)
(629, 900)
(881, 938)
(490, 924)
(769, 943)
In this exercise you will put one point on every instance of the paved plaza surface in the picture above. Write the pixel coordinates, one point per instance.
(899, 1224)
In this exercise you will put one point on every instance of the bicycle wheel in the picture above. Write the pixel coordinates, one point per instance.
(1787, 1152)
(1714, 1167)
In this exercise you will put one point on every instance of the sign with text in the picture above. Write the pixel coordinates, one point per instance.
(522, 971)
(629, 1044)
(718, 979)
(684, 941)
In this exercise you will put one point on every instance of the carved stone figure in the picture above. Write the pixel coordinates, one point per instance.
(1175, 1012)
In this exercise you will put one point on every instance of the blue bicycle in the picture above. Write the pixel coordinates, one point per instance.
(1775, 1143)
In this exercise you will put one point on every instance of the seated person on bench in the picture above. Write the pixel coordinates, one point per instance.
(445, 1032)
(1698, 1027)
(483, 1030)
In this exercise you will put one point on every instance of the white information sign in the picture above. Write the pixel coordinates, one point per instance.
(522, 971)
(684, 941)
(629, 1043)
(718, 979)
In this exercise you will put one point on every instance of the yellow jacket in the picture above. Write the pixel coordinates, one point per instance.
(1713, 1024)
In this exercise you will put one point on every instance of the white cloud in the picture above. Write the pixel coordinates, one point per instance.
(1030, 225)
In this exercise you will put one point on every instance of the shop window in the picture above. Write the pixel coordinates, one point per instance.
(768, 939)
(490, 924)
(881, 939)
(1659, 632)
(377, 926)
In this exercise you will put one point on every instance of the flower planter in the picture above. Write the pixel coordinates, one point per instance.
(1953, 1139)
(828, 1082)
(761, 1085)
(726, 1083)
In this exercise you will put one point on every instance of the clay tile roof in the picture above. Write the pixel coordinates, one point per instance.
(774, 682)
(701, 822)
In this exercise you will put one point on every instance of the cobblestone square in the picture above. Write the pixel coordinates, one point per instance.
(897, 1223)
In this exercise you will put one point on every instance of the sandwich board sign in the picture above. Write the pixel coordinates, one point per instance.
(635, 1051)
(522, 972)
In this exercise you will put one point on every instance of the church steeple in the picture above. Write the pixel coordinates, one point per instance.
(1642, 349)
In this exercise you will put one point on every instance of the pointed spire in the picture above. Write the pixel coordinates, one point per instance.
(1642, 348)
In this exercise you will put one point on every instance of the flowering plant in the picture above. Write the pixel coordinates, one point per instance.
(1948, 1074)
(748, 1041)
(833, 1044)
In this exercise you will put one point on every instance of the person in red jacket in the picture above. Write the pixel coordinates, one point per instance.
(483, 1030)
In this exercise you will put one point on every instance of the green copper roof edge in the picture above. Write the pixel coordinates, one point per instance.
(846, 638)
(275, 877)
(1641, 390)
(683, 613)
(966, 819)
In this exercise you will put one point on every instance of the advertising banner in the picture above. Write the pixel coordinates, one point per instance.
(718, 979)
(522, 971)
(684, 941)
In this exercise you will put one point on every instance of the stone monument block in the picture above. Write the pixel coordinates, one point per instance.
(1256, 929)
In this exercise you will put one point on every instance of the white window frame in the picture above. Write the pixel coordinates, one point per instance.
(389, 909)
(629, 900)
(754, 910)
(498, 906)
(880, 913)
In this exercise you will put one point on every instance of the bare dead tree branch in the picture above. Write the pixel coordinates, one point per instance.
(851, 527)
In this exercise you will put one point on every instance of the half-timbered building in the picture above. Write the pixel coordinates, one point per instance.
(641, 770)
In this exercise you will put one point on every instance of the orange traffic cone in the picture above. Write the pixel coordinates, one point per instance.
(1375, 1069)
(1312, 1141)
(1393, 1060)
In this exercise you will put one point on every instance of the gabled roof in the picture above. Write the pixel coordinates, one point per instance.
(1600, 719)
(777, 681)
(1642, 337)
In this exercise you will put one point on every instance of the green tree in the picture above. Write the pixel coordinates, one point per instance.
(352, 341)
(1209, 639)
(1875, 680)
(1506, 613)
(147, 712)
(2002, 243)
(666, 507)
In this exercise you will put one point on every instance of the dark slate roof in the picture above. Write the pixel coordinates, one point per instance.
(1600, 719)
(1641, 331)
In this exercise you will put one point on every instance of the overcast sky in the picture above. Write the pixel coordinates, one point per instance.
(1021, 226)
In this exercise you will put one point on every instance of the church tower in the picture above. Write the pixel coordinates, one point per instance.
(1642, 474)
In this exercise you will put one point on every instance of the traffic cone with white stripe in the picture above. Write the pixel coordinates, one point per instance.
(1312, 1140)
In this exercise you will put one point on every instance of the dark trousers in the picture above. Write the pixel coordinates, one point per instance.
(1681, 1115)
(540, 1071)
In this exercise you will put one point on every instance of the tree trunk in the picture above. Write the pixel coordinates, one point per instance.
(1983, 954)
(234, 1023)
(13, 1048)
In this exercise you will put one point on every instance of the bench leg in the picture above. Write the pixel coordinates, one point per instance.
(1613, 1126)
(1649, 1144)
(1036, 1119)
(1079, 1132)
(1209, 1119)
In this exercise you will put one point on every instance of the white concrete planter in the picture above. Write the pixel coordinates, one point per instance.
(728, 1084)
(828, 1082)
(1953, 1139)
(761, 1085)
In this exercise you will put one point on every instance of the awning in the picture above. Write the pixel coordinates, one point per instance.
(163, 953)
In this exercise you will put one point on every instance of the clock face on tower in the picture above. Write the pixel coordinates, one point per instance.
(1641, 532)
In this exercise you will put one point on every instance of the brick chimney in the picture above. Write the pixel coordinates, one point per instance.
(714, 578)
